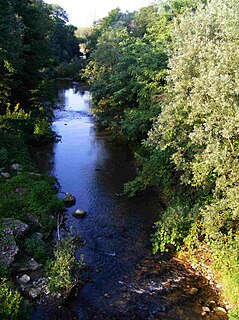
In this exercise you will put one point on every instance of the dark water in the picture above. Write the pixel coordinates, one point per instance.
(124, 280)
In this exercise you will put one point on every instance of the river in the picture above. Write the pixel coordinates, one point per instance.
(123, 279)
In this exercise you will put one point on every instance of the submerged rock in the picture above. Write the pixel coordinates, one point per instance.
(69, 199)
(79, 213)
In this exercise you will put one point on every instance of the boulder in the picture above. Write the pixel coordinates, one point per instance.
(69, 199)
(79, 213)
(18, 227)
(8, 246)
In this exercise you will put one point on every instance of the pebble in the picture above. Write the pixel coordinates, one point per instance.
(219, 310)
(206, 309)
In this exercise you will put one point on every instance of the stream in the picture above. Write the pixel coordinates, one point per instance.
(123, 279)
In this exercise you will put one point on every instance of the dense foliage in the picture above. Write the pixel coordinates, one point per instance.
(168, 74)
(34, 39)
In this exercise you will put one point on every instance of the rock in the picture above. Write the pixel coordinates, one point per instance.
(8, 246)
(18, 227)
(23, 279)
(34, 174)
(219, 310)
(16, 167)
(34, 293)
(206, 309)
(30, 265)
(5, 175)
(192, 291)
(79, 213)
(69, 199)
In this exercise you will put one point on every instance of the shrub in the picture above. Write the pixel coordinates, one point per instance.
(10, 301)
(173, 227)
(63, 270)
(36, 248)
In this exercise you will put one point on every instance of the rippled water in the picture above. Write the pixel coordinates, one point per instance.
(124, 280)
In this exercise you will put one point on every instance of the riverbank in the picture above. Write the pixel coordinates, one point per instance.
(30, 211)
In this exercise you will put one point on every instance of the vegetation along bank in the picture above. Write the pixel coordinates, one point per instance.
(164, 79)
(36, 45)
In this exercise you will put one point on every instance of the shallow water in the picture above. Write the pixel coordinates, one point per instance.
(124, 280)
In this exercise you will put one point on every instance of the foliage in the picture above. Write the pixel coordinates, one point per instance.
(36, 248)
(199, 124)
(64, 269)
(70, 69)
(155, 169)
(10, 301)
(173, 227)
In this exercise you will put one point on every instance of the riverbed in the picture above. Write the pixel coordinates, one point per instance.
(123, 279)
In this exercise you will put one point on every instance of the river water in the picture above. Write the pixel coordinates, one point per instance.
(123, 279)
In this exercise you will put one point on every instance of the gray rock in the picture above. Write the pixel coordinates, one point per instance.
(23, 279)
(30, 265)
(16, 167)
(34, 174)
(18, 227)
(79, 213)
(69, 199)
(5, 175)
(34, 293)
(8, 246)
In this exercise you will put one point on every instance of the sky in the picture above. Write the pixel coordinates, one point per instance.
(82, 13)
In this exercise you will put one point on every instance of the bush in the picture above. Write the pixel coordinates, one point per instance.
(10, 301)
(36, 248)
(173, 227)
(63, 270)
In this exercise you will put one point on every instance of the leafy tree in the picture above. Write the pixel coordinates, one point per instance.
(199, 124)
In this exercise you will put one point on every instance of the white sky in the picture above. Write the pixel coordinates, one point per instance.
(83, 13)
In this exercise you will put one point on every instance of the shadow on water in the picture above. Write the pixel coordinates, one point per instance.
(124, 280)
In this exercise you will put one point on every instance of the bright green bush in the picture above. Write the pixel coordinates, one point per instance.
(63, 270)
(10, 301)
